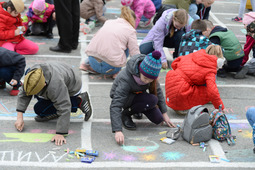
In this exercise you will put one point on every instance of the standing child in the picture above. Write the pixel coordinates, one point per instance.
(233, 51)
(192, 81)
(239, 18)
(194, 40)
(141, 8)
(93, 10)
(167, 32)
(11, 29)
(12, 67)
(129, 94)
(250, 115)
(42, 16)
(109, 48)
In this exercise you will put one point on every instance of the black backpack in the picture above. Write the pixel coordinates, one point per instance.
(161, 10)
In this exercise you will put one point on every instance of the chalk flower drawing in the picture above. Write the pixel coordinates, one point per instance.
(109, 156)
(172, 155)
(141, 149)
(247, 134)
(149, 157)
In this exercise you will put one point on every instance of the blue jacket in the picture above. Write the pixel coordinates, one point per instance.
(157, 3)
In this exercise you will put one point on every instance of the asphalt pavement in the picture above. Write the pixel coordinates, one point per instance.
(32, 148)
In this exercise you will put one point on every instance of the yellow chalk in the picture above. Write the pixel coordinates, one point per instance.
(163, 132)
(78, 156)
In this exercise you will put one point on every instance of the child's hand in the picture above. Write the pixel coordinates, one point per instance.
(59, 139)
(167, 120)
(13, 82)
(23, 29)
(19, 124)
(17, 32)
(164, 65)
(119, 137)
(54, 16)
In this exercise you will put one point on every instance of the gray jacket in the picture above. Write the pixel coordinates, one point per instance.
(62, 82)
(123, 88)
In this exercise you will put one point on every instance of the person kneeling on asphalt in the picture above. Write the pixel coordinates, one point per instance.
(57, 88)
(129, 94)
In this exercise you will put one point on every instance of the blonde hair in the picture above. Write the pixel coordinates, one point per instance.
(214, 50)
(181, 16)
(128, 15)
(209, 24)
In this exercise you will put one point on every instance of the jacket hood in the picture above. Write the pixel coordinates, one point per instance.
(191, 34)
(203, 59)
(217, 29)
(133, 64)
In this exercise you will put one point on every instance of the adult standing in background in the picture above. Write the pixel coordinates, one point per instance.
(68, 22)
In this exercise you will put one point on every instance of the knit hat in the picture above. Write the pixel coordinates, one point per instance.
(39, 5)
(248, 18)
(34, 82)
(126, 2)
(18, 5)
(151, 65)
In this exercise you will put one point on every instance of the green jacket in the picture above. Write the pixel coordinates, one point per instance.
(230, 44)
(180, 4)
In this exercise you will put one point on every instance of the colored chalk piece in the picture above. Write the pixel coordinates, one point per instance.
(195, 144)
(71, 152)
(80, 154)
(204, 149)
(240, 130)
(167, 140)
(214, 158)
(80, 150)
(163, 132)
(226, 160)
(70, 156)
(67, 150)
(87, 159)
(91, 153)
(67, 159)
(202, 144)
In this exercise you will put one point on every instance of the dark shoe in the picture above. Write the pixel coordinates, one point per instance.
(2, 84)
(85, 105)
(221, 73)
(46, 118)
(127, 120)
(58, 49)
(138, 115)
(15, 89)
(49, 35)
(241, 74)
(237, 19)
(254, 150)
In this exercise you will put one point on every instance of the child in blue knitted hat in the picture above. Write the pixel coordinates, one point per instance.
(129, 94)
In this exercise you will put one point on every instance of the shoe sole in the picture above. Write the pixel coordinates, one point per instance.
(44, 120)
(129, 128)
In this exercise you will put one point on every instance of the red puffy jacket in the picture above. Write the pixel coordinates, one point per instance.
(8, 25)
(192, 81)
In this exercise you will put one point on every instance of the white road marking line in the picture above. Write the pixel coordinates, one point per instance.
(217, 20)
(123, 164)
(54, 56)
(216, 148)
(86, 128)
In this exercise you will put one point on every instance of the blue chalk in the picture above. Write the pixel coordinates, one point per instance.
(225, 159)
(142, 31)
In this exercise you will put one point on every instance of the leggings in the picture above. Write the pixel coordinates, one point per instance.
(146, 103)
(242, 7)
(250, 114)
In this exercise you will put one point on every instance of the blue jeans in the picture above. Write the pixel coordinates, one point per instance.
(103, 67)
(45, 107)
(6, 73)
(193, 11)
(250, 115)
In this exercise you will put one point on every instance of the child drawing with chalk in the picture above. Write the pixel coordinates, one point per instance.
(12, 29)
(144, 10)
(129, 94)
(40, 19)
(57, 88)
(12, 66)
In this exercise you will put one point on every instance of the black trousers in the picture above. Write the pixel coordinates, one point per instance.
(68, 22)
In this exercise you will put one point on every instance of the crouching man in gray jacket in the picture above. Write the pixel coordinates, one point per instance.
(57, 88)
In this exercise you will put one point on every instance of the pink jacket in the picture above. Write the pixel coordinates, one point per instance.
(143, 7)
(111, 41)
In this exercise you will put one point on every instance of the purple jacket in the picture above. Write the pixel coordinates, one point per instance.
(161, 29)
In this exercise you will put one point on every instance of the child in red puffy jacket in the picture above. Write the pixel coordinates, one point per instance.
(12, 29)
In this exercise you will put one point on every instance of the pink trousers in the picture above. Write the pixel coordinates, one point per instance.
(25, 47)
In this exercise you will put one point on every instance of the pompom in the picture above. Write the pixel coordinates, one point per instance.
(156, 55)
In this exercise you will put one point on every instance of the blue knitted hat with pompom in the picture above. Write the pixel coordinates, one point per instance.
(151, 65)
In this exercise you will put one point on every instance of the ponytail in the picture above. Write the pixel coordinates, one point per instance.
(128, 15)
(153, 87)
